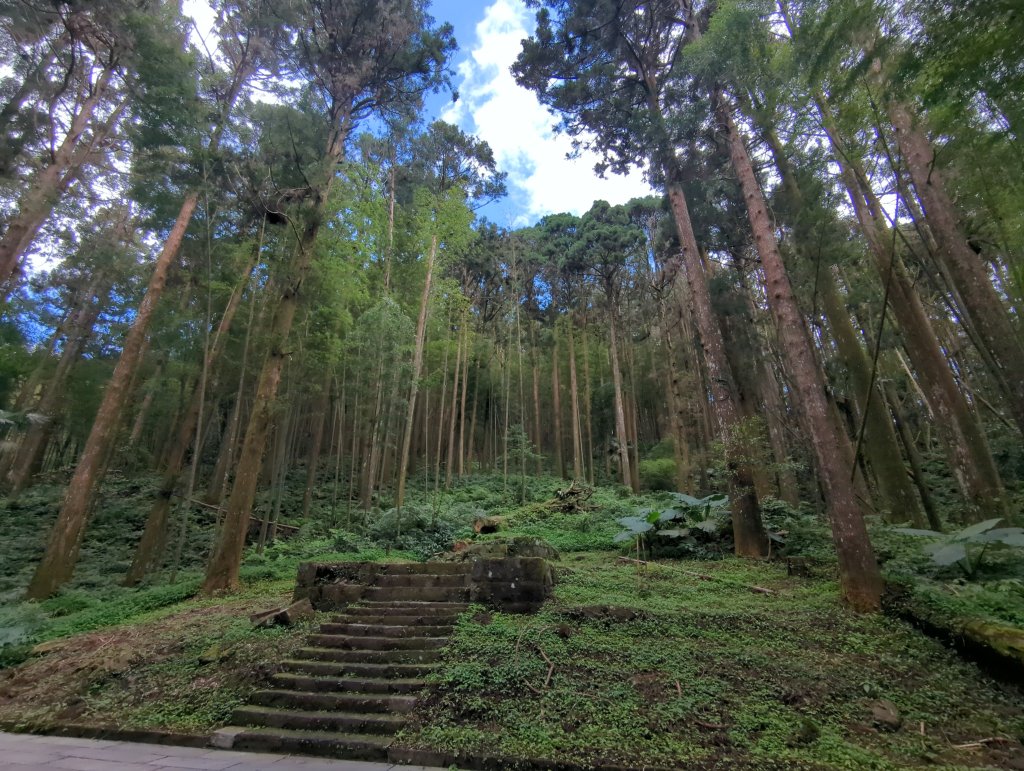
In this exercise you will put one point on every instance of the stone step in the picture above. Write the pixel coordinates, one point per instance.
(357, 669)
(415, 593)
(320, 743)
(324, 701)
(398, 608)
(386, 630)
(315, 720)
(367, 643)
(297, 681)
(426, 568)
(401, 617)
(419, 579)
(369, 657)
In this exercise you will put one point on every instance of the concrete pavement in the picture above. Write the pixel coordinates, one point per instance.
(25, 752)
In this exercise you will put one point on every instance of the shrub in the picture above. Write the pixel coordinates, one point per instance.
(658, 474)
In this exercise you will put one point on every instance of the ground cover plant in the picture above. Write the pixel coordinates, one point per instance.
(656, 668)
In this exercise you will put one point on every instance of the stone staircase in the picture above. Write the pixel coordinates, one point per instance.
(348, 692)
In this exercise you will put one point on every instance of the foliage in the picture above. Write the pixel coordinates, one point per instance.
(705, 527)
(955, 548)
(692, 673)
(658, 474)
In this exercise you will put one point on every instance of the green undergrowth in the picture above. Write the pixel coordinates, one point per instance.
(706, 674)
(182, 669)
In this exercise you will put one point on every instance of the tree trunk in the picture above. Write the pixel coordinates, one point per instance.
(417, 367)
(620, 414)
(749, 535)
(916, 466)
(462, 405)
(556, 405)
(970, 458)
(313, 458)
(973, 281)
(30, 450)
(537, 436)
(859, 576)
(61, 553)
(454, 413)
(37, 202)
(574, 402)
(881, 448)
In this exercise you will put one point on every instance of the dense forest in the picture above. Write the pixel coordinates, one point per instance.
(254, 275)
(758, 434)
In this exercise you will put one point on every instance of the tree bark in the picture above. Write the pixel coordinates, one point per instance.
(968, 270)
(37, 202)
(620, 414)
(61, 553)
(556, 406)
(574, 402)
(883, 452)
(860, 579)
(967, 450)
(417, 367)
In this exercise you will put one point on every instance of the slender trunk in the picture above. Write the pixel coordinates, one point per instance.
(860, 579)
(441, 412)
(313, 458)
(633, 427)
(222, 572)
(586, 402)
(574, 403)
(147, 402)
(748, 530)
(462, 405)
(471, 445)
(882, 450)
(30, 450)
(556, 405)
(61, 553)
(537, 437)
(620, 416)
(154, 535)
(417, 367)
(968, 270)
(44, 191)
(970, 458)
(453, 415)
(916, 465)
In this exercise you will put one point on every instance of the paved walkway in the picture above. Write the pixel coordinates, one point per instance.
(24, 752)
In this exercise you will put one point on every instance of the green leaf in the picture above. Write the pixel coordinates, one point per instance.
(675, 532)
(708, 525)
(978, 529)
(626, 535)
(1011, 536)
(635, 524)
(653, 516)
(670, 514)
(915, 531)
(948, 554)
(689, 500)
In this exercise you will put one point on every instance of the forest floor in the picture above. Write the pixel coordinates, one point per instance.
(643, 668)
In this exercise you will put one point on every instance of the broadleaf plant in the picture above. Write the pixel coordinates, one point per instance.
(955, 548)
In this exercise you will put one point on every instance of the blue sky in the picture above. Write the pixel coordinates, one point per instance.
(509, 118)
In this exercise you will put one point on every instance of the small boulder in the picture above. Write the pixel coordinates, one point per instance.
(886, 716)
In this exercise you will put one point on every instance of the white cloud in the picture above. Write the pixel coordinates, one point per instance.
(518, 128)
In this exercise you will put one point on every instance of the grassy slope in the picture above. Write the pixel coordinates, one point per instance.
(710, 675)
(785, 680)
